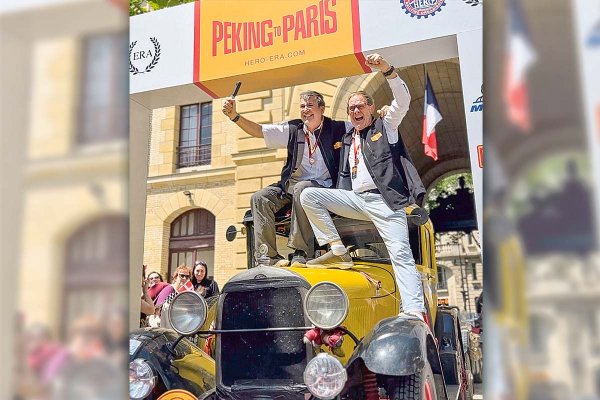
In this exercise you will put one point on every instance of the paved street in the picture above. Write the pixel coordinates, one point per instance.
(478, 391)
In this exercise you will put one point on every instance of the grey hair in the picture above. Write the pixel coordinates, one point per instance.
(311, 93)
(366, 95)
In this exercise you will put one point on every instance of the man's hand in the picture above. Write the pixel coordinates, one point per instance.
(383, 111)
(377, 62)
(229, 108)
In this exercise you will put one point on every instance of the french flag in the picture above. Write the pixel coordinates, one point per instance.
(519, 58)
(431, 116)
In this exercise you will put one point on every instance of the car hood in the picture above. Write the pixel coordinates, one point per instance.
(359, 282)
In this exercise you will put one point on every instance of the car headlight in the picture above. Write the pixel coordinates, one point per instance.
(141, 379)
(187, 312)
(326, 305)
(325, 376)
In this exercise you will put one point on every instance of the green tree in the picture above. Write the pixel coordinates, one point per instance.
(446, 187)
(137, 7)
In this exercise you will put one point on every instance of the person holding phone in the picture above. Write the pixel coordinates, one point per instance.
(313, 144)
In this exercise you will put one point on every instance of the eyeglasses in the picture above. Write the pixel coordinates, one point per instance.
(184, 276)
(154, 277)
(307, 106)
(353, 107)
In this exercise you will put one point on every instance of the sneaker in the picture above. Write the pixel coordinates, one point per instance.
(284, 262)
(270, 261)
(330, 260)
(412, 314)
(298, 259)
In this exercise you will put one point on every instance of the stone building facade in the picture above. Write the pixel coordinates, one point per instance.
(460, 269)
(237, 166)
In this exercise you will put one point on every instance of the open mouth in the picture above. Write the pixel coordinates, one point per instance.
(358, 120)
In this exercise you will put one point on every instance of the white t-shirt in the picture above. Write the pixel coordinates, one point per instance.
(277, 136)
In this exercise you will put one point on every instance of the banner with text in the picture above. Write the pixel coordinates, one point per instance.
(273, 43)
(470, 53)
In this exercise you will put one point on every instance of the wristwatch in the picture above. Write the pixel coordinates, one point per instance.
(389, 71)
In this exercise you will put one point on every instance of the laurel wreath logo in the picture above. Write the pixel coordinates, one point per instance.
(135, 70)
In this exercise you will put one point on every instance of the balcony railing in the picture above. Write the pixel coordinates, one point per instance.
(446, 248)
(191, 156)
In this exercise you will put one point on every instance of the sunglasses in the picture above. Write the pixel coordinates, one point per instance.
(184, 276)
(360, 106)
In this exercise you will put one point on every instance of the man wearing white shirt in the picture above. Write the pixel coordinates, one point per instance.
(313, 144)
(373, 185)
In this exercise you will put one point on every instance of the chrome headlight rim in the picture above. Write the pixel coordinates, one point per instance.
(346, 304)
(149, 383)
(320, 358)
(202, 305)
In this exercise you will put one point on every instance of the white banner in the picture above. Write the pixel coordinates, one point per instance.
(161, 49)
(587, 23)
(470, 53)
(385, 23)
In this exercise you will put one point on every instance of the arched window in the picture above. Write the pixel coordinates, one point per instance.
(96, 269)
(192, 238)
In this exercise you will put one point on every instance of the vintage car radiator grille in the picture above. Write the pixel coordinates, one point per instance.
(266, 358)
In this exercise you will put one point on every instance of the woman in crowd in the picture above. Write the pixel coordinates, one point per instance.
(202, 284)
(181, 275)
(156, 284)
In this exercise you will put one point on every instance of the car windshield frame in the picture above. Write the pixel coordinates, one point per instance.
(363, 239)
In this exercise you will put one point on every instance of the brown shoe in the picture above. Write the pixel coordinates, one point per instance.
(330, 260)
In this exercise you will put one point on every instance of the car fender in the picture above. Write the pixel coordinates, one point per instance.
(397, 346)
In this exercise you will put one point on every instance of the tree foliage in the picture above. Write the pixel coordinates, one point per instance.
(446, 187)
(137, 7)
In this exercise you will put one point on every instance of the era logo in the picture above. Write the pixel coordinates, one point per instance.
(138, 55)
(151, 56)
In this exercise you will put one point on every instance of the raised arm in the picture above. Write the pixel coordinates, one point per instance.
(250, 127)
(401, 102)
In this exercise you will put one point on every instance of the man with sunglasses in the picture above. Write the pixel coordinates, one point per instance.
(313, 144)
(376, 181)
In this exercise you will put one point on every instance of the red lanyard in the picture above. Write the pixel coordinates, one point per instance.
(355, 146)
(312, 149)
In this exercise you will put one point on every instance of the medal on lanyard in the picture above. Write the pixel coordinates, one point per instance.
(356, 150)
(312, 149)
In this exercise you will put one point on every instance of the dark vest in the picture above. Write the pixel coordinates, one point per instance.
(331, 134)
(390, 166)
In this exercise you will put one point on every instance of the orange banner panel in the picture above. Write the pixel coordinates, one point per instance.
(274, 43)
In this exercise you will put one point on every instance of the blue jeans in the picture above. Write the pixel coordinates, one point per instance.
(392, 227)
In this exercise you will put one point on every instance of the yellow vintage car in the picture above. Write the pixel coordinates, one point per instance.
(309, 333)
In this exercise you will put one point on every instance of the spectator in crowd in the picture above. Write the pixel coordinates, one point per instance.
(45, 357)
(116, 338)
(156, 284)
(90, 372)
(147, 307)
(202, 284)
(181, 277)
(86, 338)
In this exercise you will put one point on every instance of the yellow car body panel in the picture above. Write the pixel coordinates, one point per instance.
(368, 303)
